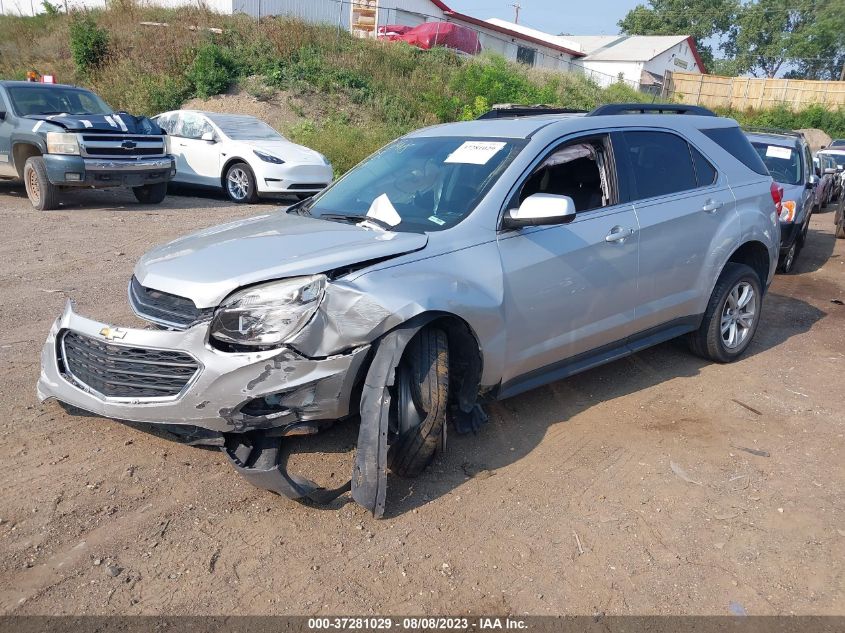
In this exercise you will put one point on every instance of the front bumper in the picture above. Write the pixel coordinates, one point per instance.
(230, 392)
(78, 171)
(789, 232)
(292, 179)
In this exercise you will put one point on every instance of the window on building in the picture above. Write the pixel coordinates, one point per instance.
(525, 55)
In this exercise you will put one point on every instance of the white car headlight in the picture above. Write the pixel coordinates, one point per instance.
(268, 158)
(268, 314)
(62, 143)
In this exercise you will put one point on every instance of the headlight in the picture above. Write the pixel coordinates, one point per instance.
(269, 314)
(268, 158)
(787, 211)
(61, 143)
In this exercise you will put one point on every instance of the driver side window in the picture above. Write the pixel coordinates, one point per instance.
(578, 169)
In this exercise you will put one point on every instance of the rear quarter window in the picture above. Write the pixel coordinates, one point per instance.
(735, 143)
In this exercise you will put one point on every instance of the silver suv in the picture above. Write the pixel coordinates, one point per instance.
(461, 262)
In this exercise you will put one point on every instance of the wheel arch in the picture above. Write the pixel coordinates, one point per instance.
(229, 162)
(755, 255)
(21, 152)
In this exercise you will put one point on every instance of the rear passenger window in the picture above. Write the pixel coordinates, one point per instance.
(661, 163)
(735, 143)
(704, 171)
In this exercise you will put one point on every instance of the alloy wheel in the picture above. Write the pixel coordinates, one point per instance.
(238, 183)
(33, 187)
(738, 315)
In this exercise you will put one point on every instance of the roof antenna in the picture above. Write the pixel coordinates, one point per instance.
(516, 7)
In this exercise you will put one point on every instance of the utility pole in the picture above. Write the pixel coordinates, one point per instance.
(516, 7)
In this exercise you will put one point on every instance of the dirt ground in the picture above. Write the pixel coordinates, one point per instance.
(659, 484)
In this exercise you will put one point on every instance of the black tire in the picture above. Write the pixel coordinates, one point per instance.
(839, 220)
(418, 419)
(787, 261)
(708, 341)
(151, 194)
(244, 192)
(43, 194)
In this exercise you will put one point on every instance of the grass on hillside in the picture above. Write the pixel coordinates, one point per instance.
(395, 87)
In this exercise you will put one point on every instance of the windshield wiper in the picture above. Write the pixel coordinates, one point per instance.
(357, 218)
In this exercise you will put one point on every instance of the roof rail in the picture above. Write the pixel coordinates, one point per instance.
(645, 108)
(773, 130)
(511, 110)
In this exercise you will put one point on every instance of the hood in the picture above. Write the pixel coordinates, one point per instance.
(290, 152)
(119, 122)
(208, 265)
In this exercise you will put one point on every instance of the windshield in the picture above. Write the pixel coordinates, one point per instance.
(419, 184)
(29, 100)
(245, 128)
(784, 163)
(839, 159)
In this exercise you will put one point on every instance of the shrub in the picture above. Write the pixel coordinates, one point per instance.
(212, 71)
(89, 43)
(50, 9)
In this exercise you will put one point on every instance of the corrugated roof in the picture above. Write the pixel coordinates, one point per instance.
(636, 48)
(590, 43)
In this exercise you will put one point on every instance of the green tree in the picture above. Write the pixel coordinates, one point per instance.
(820, 54)
(89, 43)
(769, 35)
(702, 19)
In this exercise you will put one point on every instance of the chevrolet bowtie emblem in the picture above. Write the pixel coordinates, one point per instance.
(112, 333)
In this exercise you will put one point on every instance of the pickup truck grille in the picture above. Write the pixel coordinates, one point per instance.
(163, 308)
(122, 371)
(121, 145)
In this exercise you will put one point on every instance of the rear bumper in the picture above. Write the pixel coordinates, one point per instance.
(229, 393)
(90, 172)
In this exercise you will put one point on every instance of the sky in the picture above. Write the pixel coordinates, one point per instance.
(577, 17)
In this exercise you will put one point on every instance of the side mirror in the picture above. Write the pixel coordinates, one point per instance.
(839, 168)
(541, 209)
(829, 170)
(812, 181)
(209, 137)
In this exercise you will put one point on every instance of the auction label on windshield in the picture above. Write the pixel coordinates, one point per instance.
(774, 151)
(475, 152)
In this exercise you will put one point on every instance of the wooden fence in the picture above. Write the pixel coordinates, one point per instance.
(749, 93)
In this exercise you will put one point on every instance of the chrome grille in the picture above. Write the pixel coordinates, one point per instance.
(121, 371)
(164, 308)
(121, 145)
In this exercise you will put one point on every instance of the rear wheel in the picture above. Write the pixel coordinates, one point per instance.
(151, 194)
(419, 403)
(732, 315)
(43, 194)
(239, 183)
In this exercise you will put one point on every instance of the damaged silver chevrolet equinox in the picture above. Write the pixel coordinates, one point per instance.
(461, 262)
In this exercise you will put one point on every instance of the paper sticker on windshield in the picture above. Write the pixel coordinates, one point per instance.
(475, 152)
(436, 220)
(773, 151)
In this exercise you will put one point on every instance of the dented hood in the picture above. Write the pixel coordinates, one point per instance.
(208, 265)
(118, 122)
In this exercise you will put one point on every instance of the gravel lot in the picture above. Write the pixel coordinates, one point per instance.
(657, 484)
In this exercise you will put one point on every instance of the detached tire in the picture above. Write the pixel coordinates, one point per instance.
(151, 194)
(239, 183)
(43, 194)
(732, 315)
(419, 403)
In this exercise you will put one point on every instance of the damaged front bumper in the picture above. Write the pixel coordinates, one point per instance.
(102, 369)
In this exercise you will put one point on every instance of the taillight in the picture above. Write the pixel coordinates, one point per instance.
(777, 195)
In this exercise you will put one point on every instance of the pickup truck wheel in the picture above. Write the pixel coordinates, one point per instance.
(240, 183)
(418, 411)
(732, 315)
(43, 194)
(151, 194)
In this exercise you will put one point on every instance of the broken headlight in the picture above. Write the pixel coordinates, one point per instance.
(268, 314)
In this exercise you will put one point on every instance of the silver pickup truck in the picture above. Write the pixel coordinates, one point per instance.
(54, 136)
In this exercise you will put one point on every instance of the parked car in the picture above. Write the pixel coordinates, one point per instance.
(788, 158)
(837, 142)
(838, 156)
(242, 155)
(839, 219)
(825, 168)
(54, 136)
(485, 257)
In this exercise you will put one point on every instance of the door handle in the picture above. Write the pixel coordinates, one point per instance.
(712, 205)
(618, 234)
(183, 145)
